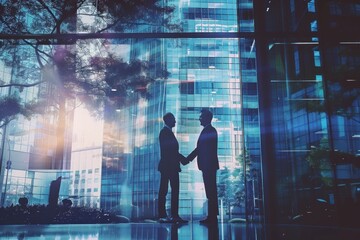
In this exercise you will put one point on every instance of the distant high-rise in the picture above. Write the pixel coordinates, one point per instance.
(203, 73)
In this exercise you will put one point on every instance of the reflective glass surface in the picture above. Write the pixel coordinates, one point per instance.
(101, 98)
(150, 231)
(136, 231)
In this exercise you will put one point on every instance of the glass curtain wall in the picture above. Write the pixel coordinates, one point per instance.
(34, 185)
(309, 87)
(201, 73)
(107, 135)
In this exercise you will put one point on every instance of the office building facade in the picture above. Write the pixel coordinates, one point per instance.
(202, 73)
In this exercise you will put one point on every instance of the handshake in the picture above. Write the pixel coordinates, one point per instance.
(186, 160)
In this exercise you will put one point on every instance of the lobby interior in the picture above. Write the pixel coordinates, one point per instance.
(281, 77)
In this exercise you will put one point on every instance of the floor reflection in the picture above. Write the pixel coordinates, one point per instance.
(156, 231)
(138, 231)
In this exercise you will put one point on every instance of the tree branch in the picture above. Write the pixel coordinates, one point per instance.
(47, 9)
(21, 84)
(37, 52)
(5, 121)
(108, 26)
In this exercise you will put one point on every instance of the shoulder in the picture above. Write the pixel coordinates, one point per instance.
(162, 131)
(165, 131)
(212, 132)
(210, 128)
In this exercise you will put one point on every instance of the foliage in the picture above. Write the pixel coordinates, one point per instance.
(11, 106)
(125, 81)
(58, 16)
(231, 184)
(323, 160)
(67, 60)
(319, 157)
(139, 12)
(99, 80)
(41, 214)
(319, 160)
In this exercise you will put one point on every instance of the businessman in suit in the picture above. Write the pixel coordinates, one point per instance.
(169, 168)
(208, 163)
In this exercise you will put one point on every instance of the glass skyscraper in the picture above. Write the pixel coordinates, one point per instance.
(202, 73)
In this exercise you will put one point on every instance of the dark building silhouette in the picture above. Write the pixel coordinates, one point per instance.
(54, 192)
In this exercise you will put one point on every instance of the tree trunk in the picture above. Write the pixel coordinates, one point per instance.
(60, 136)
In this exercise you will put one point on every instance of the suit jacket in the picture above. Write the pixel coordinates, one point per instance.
(169, 152)
(206, 150)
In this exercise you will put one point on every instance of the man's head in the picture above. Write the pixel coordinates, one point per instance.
(169, 119)
(205, 117)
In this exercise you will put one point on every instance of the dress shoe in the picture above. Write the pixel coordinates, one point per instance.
(165, 220)
(208, 220)
(178, 220)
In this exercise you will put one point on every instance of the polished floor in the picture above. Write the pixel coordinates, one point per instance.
(157, 231)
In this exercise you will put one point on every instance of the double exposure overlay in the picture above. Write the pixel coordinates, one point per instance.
(84, 87)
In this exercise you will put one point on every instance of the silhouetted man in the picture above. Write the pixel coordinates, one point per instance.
(169, 167)
(208, 163)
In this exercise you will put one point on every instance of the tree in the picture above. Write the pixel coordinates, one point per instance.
(67, 70)
(58, 17)
(319, 160)
(232, 182)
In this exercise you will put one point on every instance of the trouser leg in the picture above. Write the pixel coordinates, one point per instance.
(174, 183)
(163, 190)
(211, 193)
